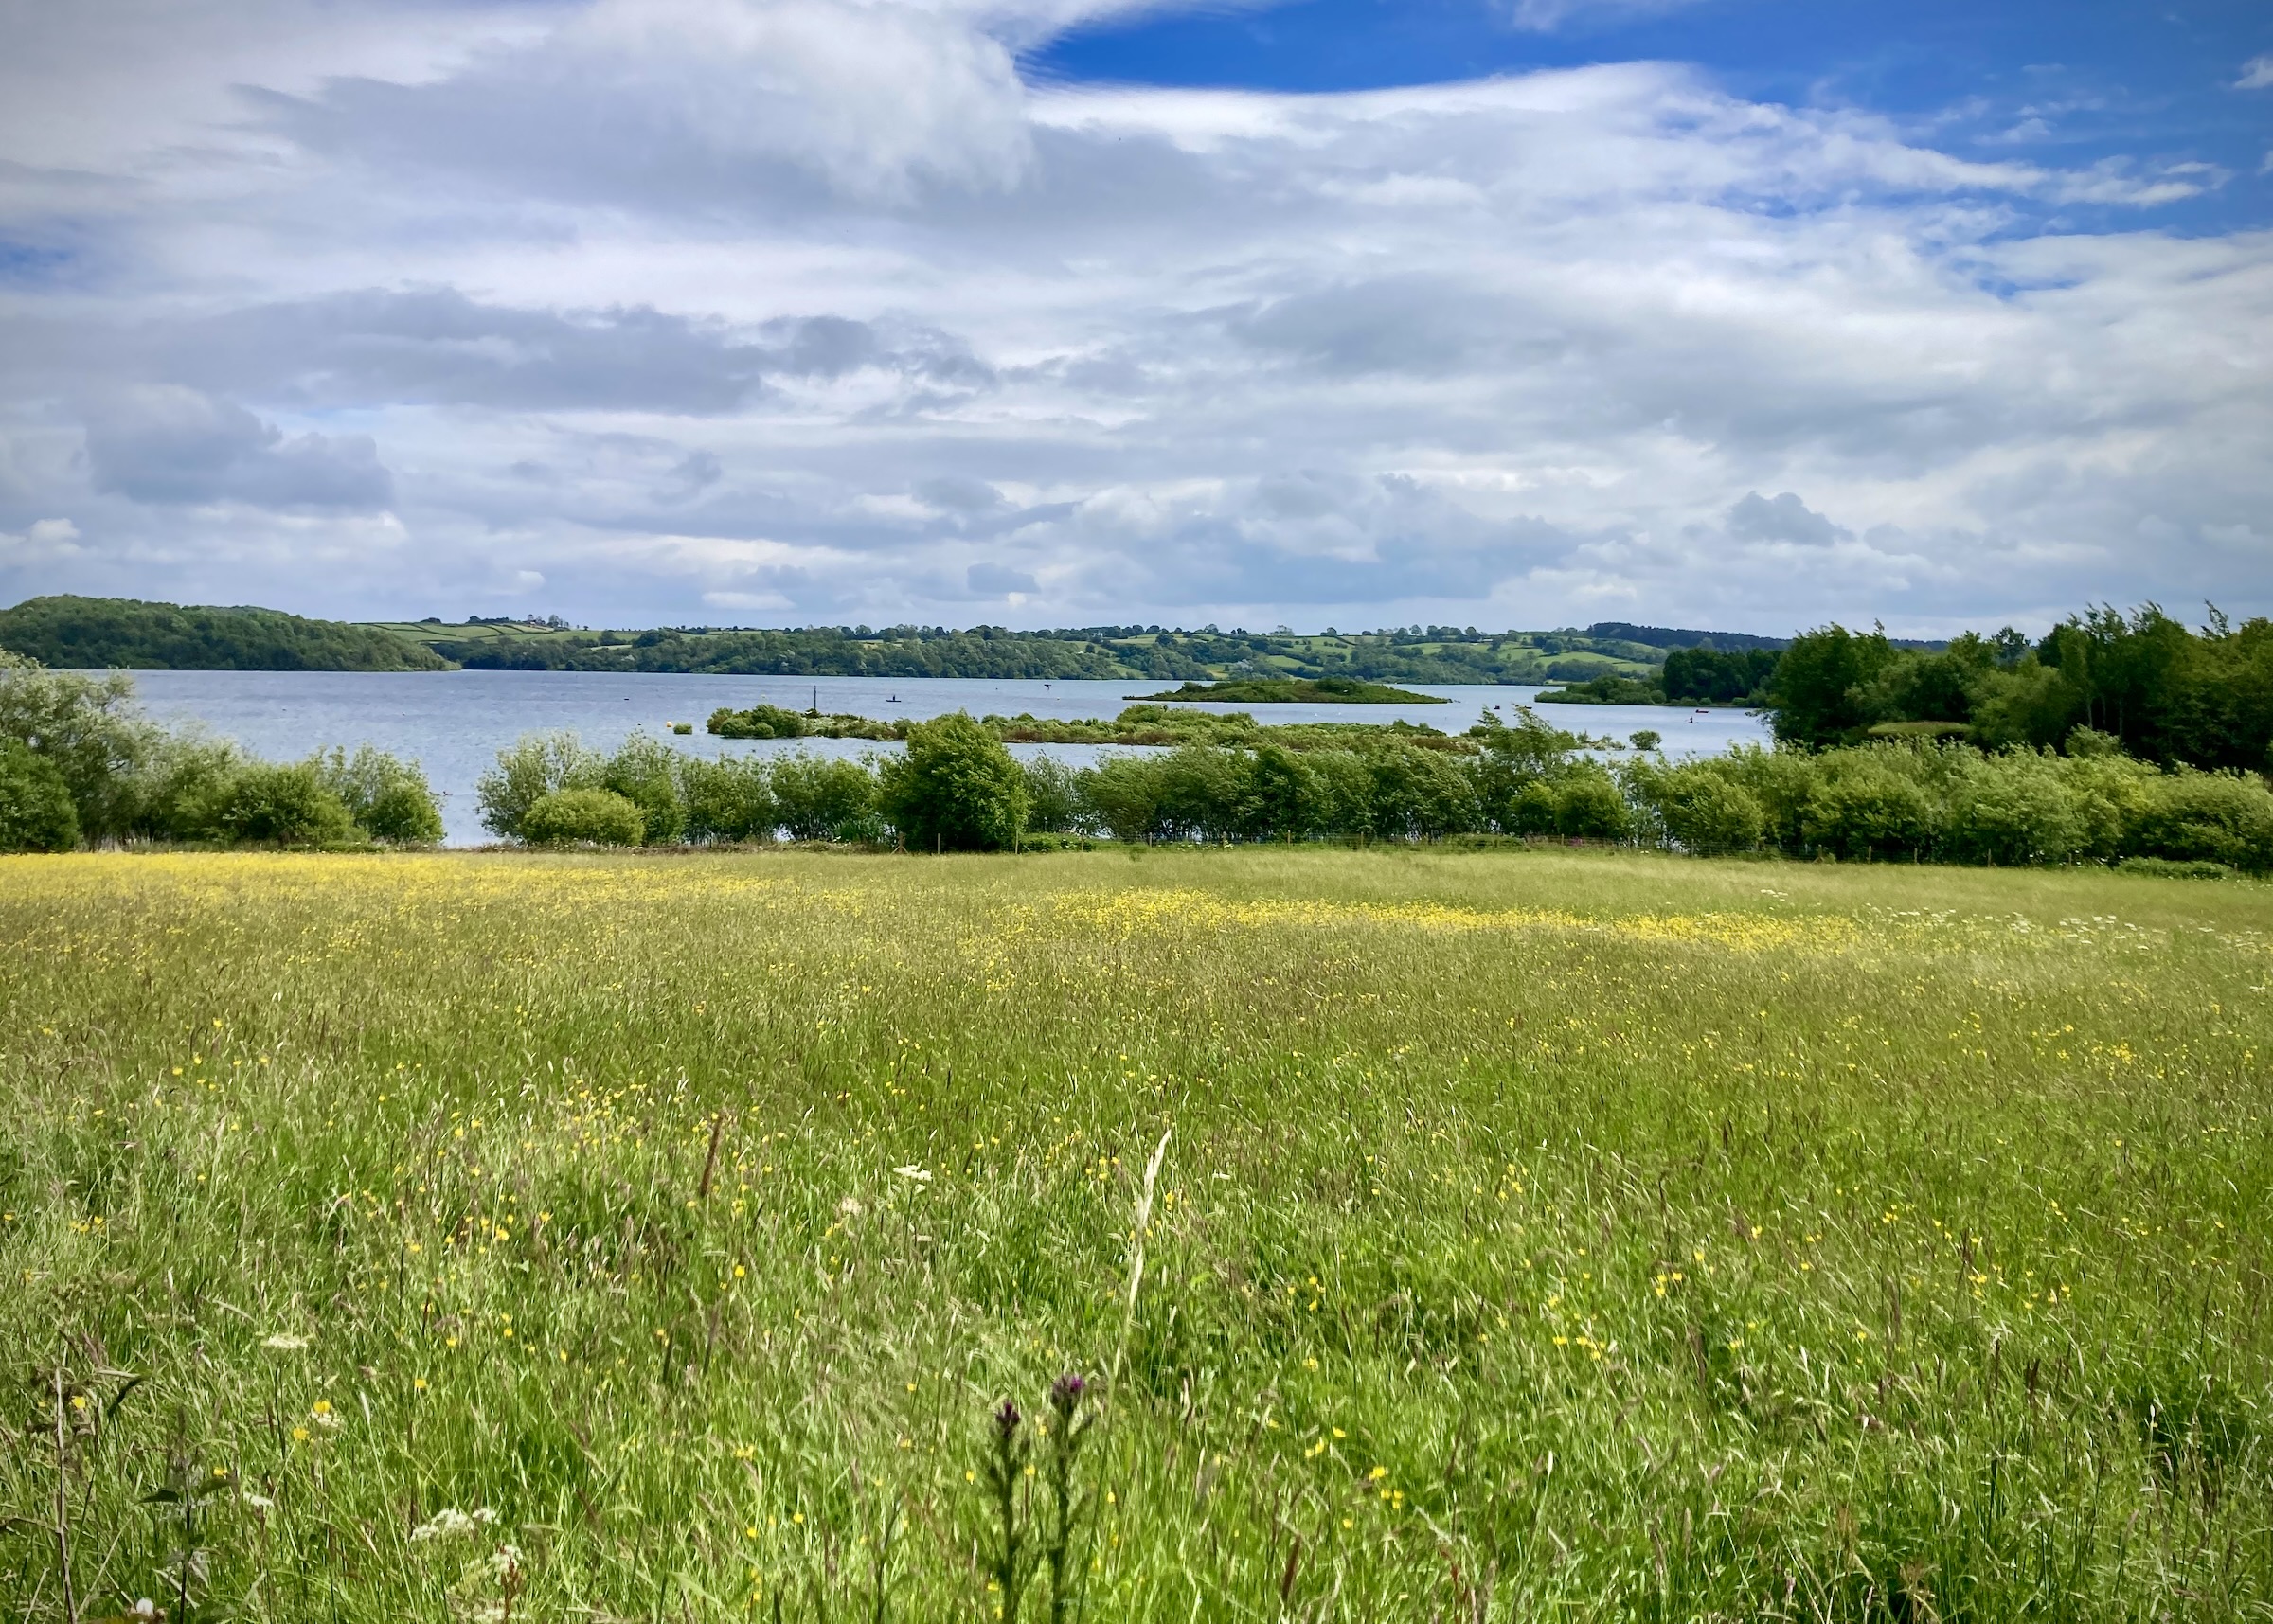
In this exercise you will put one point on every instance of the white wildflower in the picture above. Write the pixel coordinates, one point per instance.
(284, 1342)
(919, 1175)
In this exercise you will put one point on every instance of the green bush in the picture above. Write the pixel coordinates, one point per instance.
(1053, 797)
(1707, 812)
(2011, 810)
(1205, 792)
(1588, 805)
(1123, 795)
(645, 772)
(89, 728)
(2206, 817)
(36, 813)
(758, 722)
(956, 788)
(588, 816)
(1419, 793)
(389, 798)
(1864, 809)
(818, 798)
(268, 803)
(537, 765)
(728, 799)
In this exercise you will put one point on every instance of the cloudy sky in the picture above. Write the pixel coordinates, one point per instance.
(1747, 313)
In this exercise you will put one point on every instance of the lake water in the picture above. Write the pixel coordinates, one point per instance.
(455, 723)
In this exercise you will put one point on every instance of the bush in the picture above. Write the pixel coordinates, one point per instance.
(1588, 805)
(1204, 793)
(1707, 812)
(186, 786)
(758, 722)
(389, 798)
(728, 799)
(820, 799)
(1053, 797)
(88, 728)
(1285, 798)
(956, 788)
(1123, 794)
(589, 816)
(36, 813)
(271, 805)
(2011, 809)
(645, 772)
(537, 765)
(1418, 793)
(2206, 817)
(1865, 810)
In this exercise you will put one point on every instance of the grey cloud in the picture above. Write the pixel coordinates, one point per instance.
(174, 445)
(1786, 518)
(955, 493)
(994, 580)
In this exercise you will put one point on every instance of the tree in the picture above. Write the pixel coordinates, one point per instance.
(586, 816)
(1815, 690)
(956, 788)
(537, 765)
(89, 728)
(36, 813)
(389, 798)
(272, 805)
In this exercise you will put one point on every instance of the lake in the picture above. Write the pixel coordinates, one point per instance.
(455, 723)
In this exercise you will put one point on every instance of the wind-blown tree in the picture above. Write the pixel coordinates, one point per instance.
(956, 788)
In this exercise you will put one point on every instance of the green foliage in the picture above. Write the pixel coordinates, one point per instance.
(1712, 676)
(284, 804)
(1868, 805)
(822, 797)
(1588, 804)
(1704, 808)
(389, 798)
(730, 798)
(955, 789)
(758, 722)
(36, 813)
(1819, 687)
(645, 772)
(590, 816)
(1053, 796)
(89, 728)
(2210, 817)
(93, 632)
(536, 765)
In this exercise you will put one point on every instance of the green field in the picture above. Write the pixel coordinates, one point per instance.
(1537, 1235)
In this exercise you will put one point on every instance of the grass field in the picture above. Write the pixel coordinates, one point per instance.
(1536, 1235)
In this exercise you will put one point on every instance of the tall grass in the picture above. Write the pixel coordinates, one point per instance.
(1564, 1235)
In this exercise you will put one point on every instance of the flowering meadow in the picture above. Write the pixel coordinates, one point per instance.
(1486, 1237)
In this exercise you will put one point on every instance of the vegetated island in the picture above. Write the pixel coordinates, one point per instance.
(1154, 724)
(1291, 690)
(125, 633)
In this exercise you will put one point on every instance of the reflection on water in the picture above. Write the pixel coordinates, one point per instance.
(455, 723)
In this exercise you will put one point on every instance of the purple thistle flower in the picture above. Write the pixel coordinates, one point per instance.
(1007, 1419)
(1067, 1392)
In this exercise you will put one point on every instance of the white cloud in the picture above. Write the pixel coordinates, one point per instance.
(2257, 74)
(814, 310)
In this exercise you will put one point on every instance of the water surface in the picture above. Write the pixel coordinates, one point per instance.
(455, 723)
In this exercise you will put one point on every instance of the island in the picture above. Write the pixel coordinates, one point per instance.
(1291, 690)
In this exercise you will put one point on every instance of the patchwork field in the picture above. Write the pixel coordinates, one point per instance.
(1528, 1236)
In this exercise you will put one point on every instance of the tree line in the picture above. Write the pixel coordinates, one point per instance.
(124, 634)
(956, 787)
(79, 764)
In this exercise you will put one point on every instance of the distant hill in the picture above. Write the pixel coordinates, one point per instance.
(95, 633)
(1681, 636)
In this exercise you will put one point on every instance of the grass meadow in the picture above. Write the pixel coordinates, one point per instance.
(1539, 1235)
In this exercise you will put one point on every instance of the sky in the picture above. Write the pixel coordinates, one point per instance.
(1749, 314)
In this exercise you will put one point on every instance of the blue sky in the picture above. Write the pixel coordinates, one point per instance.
(1744, 313)
(2080, 82)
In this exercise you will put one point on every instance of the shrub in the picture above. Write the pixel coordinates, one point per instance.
(537, 765)
(285, 805)
(956, 788)
(1285, 797)
(88, 728)
(821, 798)
(1053, 797)
(36, 813)
(1707, 812)
(389, 798)
(728, 799)
(1864, 809)
(645, 772)
(593, 816)
(1588, 805)
(2208, 817)
(2012, 808)
(1204, 793)
(1418, 793)
(186, 786)
(758, 722)
(1123, 794)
